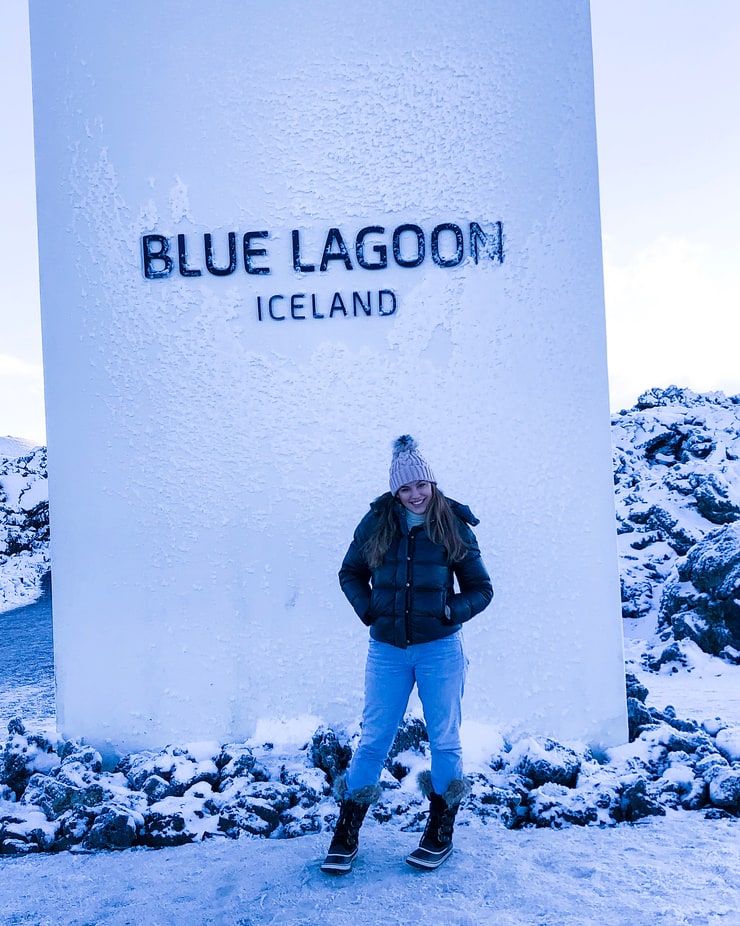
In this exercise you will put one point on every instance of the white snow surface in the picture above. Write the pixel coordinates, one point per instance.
(14, 446)
(677, 871)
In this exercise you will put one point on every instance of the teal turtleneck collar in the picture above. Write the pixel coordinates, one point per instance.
(413, 520)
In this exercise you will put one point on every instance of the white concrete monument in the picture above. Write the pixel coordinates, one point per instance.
(273, 237)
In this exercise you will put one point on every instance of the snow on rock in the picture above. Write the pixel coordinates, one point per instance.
(542, 760)
(728, 743)
(22, 756)
(724, 789)
(24, 523)
(701, 599)
(677, 493)
(58, 795)
(12, 447)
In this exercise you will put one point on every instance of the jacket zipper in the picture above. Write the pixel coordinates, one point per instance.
(410, 550)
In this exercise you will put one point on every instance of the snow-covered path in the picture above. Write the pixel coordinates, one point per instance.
(27, 663)
(679, 871)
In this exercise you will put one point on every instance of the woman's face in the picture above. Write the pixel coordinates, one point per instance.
(416, 496)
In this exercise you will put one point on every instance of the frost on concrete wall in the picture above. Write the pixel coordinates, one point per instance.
(272, 239)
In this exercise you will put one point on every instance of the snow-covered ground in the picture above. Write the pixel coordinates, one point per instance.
(676, 871)
(27, 665)
(707, 687)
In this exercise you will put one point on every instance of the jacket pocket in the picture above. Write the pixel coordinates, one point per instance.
(368, 619)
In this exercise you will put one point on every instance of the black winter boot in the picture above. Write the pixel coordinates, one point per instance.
(345, 842)
(436, 841)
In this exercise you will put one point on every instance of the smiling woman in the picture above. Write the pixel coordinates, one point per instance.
(415, 496)
(399, 575)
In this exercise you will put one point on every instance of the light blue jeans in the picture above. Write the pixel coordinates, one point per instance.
(438, 669)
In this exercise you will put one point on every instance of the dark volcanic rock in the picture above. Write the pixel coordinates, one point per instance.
(713, 501)
(328, 754)
(115, 828)
(635, 688)
(702, 601)
(724, 789)
(549, 761)
(638, 717)
(637, 803)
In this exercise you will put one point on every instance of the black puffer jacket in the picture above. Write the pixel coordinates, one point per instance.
(403, 600)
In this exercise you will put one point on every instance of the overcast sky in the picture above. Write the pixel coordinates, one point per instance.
(667, 83)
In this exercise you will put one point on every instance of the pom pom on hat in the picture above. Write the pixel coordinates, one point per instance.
(408, 465)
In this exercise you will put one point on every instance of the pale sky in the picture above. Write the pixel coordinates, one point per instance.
(667, 83)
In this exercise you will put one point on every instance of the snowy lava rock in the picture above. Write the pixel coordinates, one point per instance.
(724, 789)
(55, 797)
(677, 478)
(24, 523)
(701, 601)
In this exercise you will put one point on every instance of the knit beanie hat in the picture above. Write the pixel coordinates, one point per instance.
(408, 465)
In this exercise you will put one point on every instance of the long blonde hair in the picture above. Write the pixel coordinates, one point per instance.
(440, 523)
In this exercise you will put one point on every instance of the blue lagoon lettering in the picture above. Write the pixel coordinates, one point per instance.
(372, 248)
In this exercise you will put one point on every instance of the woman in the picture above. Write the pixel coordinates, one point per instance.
(399, 575)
